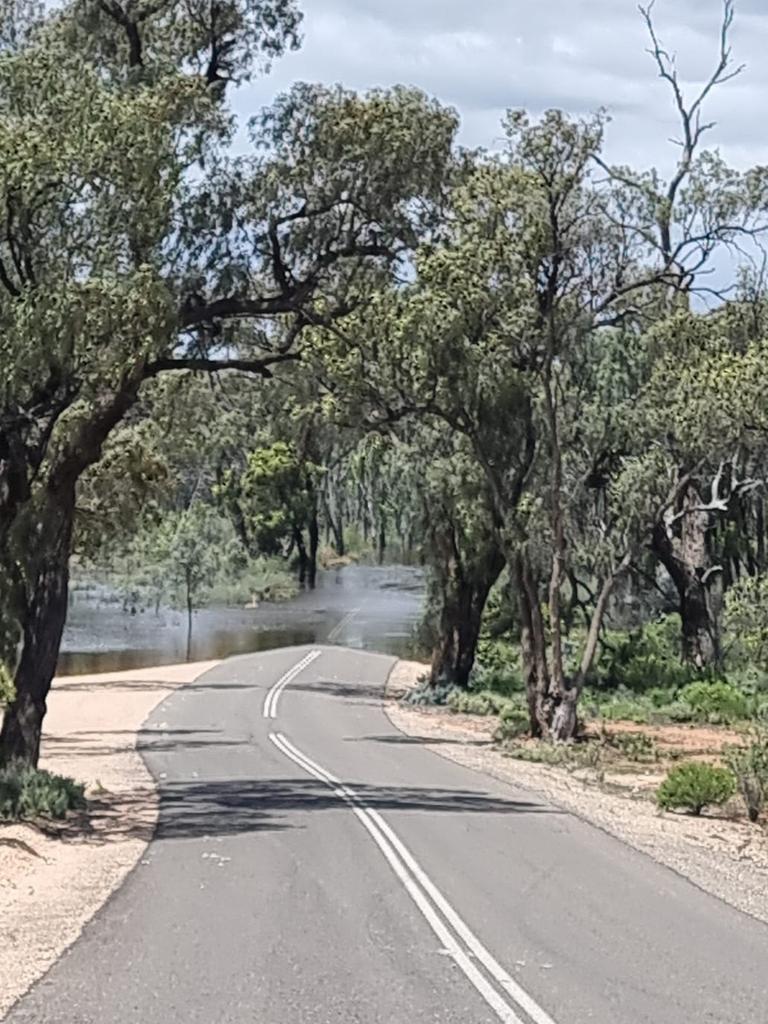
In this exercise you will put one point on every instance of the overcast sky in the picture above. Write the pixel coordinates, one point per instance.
(484, 56)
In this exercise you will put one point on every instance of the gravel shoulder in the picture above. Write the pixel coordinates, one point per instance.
(728, 859)
(53, 880)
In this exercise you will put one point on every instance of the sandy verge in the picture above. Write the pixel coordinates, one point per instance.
(52, 884)
(728, 859)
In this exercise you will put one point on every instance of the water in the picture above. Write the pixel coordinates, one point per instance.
(358, 606)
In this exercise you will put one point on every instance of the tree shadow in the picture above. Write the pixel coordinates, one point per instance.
(402, 739)
(360, 693)
(237, 806)
(152, 686)
(195, 809)
(85, 744)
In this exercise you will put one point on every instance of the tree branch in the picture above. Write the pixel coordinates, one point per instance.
(260, 367)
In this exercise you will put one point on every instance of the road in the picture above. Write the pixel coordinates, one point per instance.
(312, 865)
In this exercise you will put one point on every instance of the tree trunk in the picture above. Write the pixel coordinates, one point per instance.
(42, 624)
(565, 718)
(335, 526)
(533, 647)
(314, 540)
(188, 583)
(465, 591)
(683, 550)
(382, 541)
(301, 548)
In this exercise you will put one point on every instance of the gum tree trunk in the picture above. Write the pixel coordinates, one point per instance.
(464, 593)
(42, 626)
(683, 550)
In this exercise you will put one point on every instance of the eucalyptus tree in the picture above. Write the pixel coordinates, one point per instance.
(548, 259)
(133, 247)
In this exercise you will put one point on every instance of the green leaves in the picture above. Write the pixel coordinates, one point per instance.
(273, 497)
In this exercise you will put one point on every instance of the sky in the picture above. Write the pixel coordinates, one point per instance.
(486, 56)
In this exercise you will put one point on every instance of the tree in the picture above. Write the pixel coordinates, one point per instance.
(119, 264)
(190, 551)
(273, 503)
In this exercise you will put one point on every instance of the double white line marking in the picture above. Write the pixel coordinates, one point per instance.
(340, 626)
(273, 695)
(454, 935)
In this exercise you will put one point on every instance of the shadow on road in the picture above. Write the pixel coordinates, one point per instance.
(236, 806)
(402, 739)
(362, 693)
(86, 744)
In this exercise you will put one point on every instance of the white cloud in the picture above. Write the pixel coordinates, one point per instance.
(484, 56)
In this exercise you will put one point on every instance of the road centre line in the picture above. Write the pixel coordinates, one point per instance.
(422, 890)
(273, 695)
(337, 629)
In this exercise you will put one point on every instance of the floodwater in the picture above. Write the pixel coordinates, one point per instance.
(365, 607)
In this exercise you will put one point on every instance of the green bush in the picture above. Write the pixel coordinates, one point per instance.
(30, 793)
(469, 703)
(646, 659)
(497, 669)
(556, 754)
(635, 746)
(750, 768)
(716, 702)
(425, 695)
(514, 722)
(619, 706)
(693, 786)
(678, 711)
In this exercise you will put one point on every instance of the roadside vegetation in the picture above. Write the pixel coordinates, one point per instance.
(651, 726)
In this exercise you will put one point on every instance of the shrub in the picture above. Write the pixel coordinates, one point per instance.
(514, 722)
(676, 711)
(468, 703)
(750, 767)
(635, 746)
(746, 619)
(647, 658)
(500, 673)
(485, 703)
(619, 706)
(30, 793)
(717, 702)
(693, 786)
(555, 754)
(425, 695)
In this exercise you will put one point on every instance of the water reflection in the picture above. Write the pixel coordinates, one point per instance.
(359, 606)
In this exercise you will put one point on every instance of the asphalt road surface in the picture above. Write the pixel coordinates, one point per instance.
(312, 866)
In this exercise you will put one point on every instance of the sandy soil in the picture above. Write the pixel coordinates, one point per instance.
(725, 857)
(51, 883)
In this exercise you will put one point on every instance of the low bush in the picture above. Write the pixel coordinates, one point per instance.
(645, 659)
(30, 793)
(750, 768)
(621, 706)
(634, 746)
(485, 703)
(514, 722)
(426, 695)
(541, 753)
(693, 786)
(497, 669)
(716, 702)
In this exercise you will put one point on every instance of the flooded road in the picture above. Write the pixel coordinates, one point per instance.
(366, 607)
